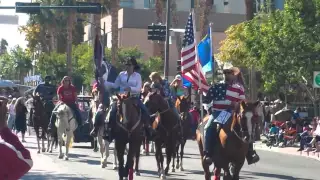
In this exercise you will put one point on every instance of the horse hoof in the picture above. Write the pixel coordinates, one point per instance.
(114, 167)
(137, 173)
(38, 151)
(173, 170)
(44, 150)
(125, 178)
(103, 165)
(66, 158)
(95, 150)
(163, 176)
(177, 166)
(181, 169)
(60, 156)
(50, 151)
(152, 151)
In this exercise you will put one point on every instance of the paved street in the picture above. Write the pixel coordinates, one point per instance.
(84, 164)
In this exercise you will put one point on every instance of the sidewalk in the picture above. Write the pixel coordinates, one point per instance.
(44, 167)
(287, 150)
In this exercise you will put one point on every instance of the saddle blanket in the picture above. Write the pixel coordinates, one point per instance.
(223, 117)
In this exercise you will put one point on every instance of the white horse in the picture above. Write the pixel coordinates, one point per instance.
(104, 145)
(66, 124)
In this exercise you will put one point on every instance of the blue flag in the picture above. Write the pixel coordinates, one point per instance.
(186, 83)
(205, 52)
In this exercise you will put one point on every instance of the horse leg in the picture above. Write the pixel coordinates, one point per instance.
(226, 174)
(129, 163)
(159, 159)
(217, 173)
(152, 146)
(137, 158)
(103, 153)
(38, 139)
(205, 166)
(176, 153)
(120, 147)
(236, 170)
(68, 141)
(60, 140)
(181, 154)
(170, 150)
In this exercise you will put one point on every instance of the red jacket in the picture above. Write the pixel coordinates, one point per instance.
(15, 159)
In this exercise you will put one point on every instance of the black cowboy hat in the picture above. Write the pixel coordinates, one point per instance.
(132, 61)
(48, 78)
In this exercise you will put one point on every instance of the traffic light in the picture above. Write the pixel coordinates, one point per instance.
(157, 32)
(96, 9)
(30, 8)
(179, 66)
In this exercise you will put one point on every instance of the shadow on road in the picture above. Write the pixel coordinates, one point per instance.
(269, 175)
(43, 175)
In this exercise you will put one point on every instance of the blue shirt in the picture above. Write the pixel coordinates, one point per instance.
(296, 115)
(273, 130)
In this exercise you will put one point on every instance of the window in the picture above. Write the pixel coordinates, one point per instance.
(149, 4)
(126, 3)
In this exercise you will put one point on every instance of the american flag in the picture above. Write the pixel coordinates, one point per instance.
(189, 64)
(223, 94)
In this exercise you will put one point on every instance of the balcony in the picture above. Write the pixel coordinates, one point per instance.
(126, 3)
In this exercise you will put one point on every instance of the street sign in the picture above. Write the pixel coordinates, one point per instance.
(316, 79)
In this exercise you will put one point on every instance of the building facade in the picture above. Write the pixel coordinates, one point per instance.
(133, 32)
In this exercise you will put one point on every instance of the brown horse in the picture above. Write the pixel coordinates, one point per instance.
(233, 143)
(128, 129)
(166, 126)
(183, 105)
(40, 120)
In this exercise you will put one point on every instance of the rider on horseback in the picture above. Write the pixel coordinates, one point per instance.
(163, 86)
(128, 81)
(225, 97)
(47, 91)
(67, 94)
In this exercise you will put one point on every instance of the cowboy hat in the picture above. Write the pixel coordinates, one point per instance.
(229, 67)
(178, 77)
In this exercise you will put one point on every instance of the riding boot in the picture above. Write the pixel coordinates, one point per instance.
(208, 143)
(252, 156)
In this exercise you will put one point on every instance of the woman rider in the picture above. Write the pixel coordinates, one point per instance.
(129, 81)
(67, 94)
(233, 92)
(177, 87)
(145, 90)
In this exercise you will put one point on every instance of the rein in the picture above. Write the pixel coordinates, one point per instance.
(160, 124)
(241, 129)
(130, 131)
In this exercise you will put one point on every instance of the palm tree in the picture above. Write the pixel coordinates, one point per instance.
(205, 9)
(249, 9)
(70, 27)
(3, 46)
(114, 5)
(159, 51)
(175, 22)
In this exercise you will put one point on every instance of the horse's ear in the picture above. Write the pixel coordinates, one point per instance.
(243, 104)
(256, 104)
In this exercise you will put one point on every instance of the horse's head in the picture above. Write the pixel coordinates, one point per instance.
(155, 102)
(127, 107)
(183, 103)
(63, 112)
(37, 103)
(246, 117)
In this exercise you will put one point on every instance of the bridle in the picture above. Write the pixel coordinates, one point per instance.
(134, 127)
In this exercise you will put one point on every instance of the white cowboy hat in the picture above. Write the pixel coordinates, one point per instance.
(178, 77)
(229, 66)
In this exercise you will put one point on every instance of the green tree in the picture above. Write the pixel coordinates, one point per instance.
(283, 45)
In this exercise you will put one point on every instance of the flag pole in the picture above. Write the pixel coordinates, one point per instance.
(197, 62)
(211, 53)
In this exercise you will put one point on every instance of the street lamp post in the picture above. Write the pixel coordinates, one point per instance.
(103, 29)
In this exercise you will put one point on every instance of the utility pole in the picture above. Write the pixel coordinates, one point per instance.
(168, 24)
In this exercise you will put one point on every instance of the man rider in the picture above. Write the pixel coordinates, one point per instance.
(224, 97)
(47, 91)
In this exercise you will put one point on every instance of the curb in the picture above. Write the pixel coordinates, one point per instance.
(302, 154)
